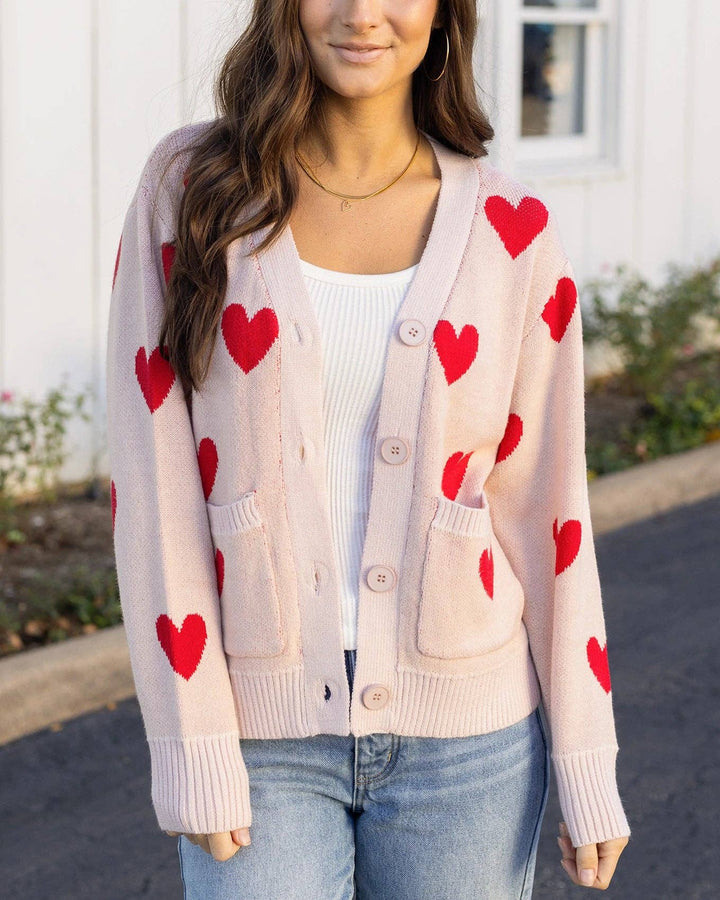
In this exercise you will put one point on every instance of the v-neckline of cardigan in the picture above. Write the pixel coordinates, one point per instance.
(454, 212)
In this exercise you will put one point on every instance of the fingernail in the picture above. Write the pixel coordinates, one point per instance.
(587, 876)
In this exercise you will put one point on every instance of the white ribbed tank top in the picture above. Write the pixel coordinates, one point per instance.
(355, 313)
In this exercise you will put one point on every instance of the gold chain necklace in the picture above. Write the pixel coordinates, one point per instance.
(346, 198)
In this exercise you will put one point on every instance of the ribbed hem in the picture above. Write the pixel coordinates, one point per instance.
(200, 784)
(271, 704)
(276, 704)
(589, 796)
(432, 705)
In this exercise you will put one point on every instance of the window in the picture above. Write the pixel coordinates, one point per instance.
(566, 72)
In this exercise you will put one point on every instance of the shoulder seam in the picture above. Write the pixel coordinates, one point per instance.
(167, 146)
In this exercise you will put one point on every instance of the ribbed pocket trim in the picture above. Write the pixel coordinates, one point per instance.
(233, 517)
(452, 516)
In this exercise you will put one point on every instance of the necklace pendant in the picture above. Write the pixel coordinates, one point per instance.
(345, 205)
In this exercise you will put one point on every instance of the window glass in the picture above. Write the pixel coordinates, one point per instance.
(553, 79)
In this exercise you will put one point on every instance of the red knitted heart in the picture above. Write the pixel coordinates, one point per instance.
(454, 472)
(567, 543)
(220, 570)
(208, 463)
(113, 503)
(598, 659)
(511, 438)
(117, 262)
(456, 352)
(168, 258)
(248, 340)
(155, 377)
(183, 647)
(558, 311)
(517, 226)
(486, 570)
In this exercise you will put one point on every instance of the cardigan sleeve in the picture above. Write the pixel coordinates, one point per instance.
(163, 549)
(538, 497)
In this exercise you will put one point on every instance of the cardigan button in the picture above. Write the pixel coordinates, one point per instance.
(375, 696)
(381, 578)
(412, 332)
(394, 450)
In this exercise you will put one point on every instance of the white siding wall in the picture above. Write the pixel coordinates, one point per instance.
(659, 198)
(88, 86)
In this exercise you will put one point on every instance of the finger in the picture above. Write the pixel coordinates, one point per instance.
(241, 836)
(572, 871)
(586, 862)
(564, 841)
(222, 846)
(609, 853)
(606, 870)
(200, 840)
(570, 868)
(172, 833)
(568, 853)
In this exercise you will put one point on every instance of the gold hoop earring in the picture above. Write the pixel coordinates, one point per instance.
(447, 56)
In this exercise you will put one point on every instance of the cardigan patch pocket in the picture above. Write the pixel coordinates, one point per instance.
(460, 613)
(251, 617)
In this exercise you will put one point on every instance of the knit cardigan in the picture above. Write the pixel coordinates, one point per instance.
(479, 594)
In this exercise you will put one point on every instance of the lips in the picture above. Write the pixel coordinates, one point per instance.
(360, 47)
(359, 55)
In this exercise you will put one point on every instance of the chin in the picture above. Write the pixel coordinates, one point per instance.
(363, 85)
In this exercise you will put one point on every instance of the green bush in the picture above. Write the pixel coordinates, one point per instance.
(678, 420)
(32, 445)
(656, 332)
(652, 328)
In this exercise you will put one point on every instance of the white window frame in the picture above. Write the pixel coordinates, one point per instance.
(597, 146)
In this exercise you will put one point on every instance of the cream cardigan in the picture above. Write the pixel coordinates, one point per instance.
(479, 594)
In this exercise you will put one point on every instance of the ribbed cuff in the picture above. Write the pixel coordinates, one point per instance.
(200, 784)
(589, 797)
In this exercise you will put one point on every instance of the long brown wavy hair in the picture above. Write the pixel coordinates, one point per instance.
(267, 98)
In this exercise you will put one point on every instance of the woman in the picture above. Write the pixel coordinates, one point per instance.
(359, 429)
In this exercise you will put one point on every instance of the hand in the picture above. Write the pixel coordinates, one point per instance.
(600, 858)
(220, 846)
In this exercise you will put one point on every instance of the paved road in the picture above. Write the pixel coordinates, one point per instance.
(75, 820)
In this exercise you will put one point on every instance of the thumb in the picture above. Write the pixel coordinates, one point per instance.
(241, 836)
(586, 859)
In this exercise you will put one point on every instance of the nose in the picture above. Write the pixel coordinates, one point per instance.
(361, 15)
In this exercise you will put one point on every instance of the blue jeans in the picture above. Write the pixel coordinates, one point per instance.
(385, 817)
